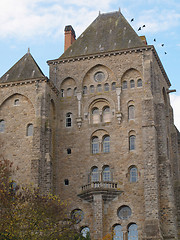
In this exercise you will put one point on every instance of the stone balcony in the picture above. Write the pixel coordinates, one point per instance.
(108, 190)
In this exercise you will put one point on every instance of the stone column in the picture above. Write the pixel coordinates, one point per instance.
(79, 96)
(98, 216)
(118, 114)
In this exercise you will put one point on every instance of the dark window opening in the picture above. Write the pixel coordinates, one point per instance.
(66, 182)
(69, 151)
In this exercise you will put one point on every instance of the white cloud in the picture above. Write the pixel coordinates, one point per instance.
(24, 19)
(175, 103)
(157, 21)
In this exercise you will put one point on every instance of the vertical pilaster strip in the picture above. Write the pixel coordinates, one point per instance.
(98, 216)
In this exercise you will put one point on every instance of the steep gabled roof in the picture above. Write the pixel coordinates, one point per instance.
(108, 32)
(25, 68)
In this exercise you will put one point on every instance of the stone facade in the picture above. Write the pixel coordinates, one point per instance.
(94, 126)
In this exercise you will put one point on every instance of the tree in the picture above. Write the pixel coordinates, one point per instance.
(26, 214)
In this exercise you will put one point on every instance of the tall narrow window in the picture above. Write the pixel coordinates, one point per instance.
(75, 91)
(117, 232)
(95, 145)
(106, 174)
(84, 90)
(124, 85)
(113, 86)
(95, 115)
(133, 174)
(106, 114)
(132, 140)
(29, 130)
(2, 126)
(132, 232)
(99, 88)
(85, 232)
(94, 174)
(132, 84)
(62, 92)
(106, 87)
(106, 144)
(92, 89)
(69, 92)
(131, 112)
(68, 119)
(139, 83)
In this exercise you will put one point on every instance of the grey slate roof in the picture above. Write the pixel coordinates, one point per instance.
(108, 32)
(25, 68)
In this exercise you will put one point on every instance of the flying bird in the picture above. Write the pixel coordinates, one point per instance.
(139, 28)
(143, 26)
(132, 19)
(162, 44)
(165, 52)
(154, 40)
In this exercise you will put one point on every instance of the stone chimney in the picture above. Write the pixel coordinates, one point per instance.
(143, 38)
(69, 36)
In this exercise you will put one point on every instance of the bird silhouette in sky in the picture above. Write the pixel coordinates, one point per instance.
(139, 28)
(132, 19)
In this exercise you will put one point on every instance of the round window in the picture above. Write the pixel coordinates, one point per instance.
(77, 215)
(99, 76)
(124, 212)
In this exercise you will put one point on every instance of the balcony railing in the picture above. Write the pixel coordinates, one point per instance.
(108, 190)
(99, 185)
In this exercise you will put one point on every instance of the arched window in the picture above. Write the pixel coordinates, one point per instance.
(85, 231)
(2, 126)
(16, 102)
(106, 114)
(132, 232)
(139, 83)
(99, 88)
(92, 89)
(132, 140)
(117, 232)
(106, 144)
(69, 92)
(124, 85)
(62, 92)
(75, 91)
(132, 84)
(133, 174)
(131, 112)
(113, 86)
(68, 119)
(84, 90)
(95, 145)
(106, 87)
(94, 174)
(95, 115)
(106, 174)
(29, 130)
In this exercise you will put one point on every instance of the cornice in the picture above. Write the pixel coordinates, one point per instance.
(113, 53)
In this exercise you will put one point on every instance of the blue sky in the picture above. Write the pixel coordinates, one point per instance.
(39, 24)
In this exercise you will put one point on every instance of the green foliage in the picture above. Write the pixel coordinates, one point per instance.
(26, 214)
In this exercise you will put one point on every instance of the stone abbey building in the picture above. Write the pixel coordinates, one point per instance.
(99, 132)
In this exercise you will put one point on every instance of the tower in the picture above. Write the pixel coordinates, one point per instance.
(103, 137)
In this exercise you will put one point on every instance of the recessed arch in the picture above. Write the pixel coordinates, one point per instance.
(130, 77)
(98, 73)
(15, 96)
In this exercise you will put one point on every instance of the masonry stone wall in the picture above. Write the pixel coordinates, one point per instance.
(146, 196)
